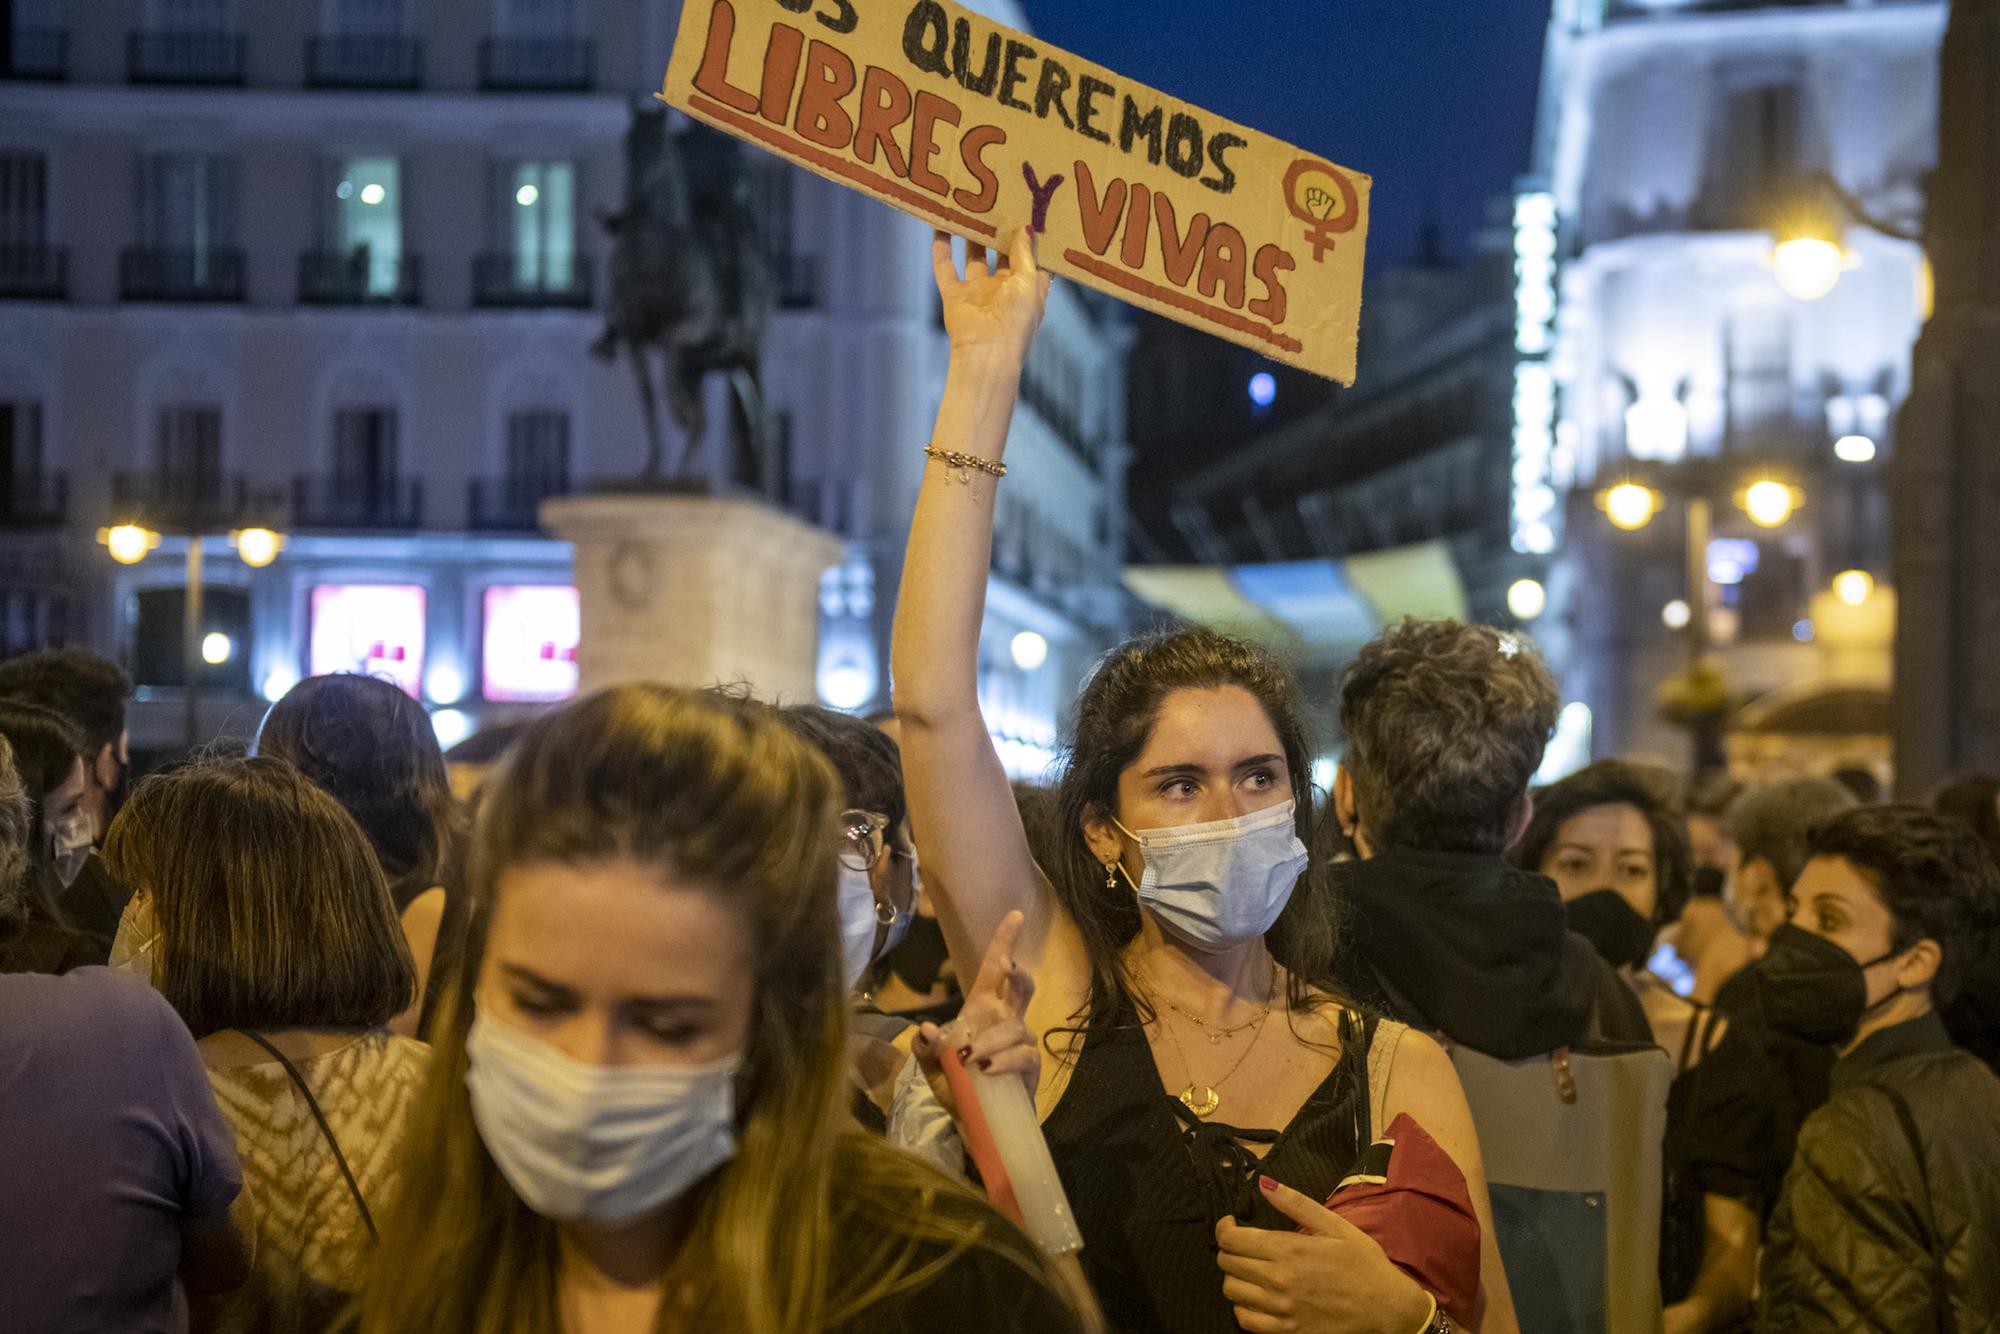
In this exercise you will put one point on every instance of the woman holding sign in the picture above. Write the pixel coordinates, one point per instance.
(1208, 1090)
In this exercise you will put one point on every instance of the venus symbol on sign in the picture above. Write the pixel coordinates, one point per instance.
(1322, 197)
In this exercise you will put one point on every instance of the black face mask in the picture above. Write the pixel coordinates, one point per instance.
(1606, 920)
(921, 955)
(1709, 882)
(1812, 989)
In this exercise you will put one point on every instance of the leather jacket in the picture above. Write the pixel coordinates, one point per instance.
(1890, 1214)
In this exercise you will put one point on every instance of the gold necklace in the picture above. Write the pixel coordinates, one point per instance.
(1204, 1106)
(1217, 1034)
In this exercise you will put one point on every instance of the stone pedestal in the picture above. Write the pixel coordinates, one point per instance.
(695, 590)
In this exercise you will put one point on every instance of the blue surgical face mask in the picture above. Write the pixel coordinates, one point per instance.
(604, 1144)
(1219, 884)
(863, 920)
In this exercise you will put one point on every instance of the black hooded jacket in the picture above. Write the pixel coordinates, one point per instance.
(1479, 950)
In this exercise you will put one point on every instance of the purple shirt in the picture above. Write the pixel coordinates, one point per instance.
(109, 1140)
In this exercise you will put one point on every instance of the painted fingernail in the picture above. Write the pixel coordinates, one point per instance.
(1267, 1184)
(984, 1063)
(965, 1053)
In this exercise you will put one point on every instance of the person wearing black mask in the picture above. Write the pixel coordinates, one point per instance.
(1619, 856)
(1890, 1216)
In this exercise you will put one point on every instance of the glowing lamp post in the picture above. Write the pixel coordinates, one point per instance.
(1527, 599)
(1808, 267)
(1629, 505)
(1770, 503)
(129, 543)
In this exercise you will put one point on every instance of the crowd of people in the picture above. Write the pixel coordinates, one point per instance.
(698, 1012)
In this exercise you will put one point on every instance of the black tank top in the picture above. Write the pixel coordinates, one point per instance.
(1148, 1181)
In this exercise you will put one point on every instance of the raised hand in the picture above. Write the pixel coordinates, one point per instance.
(989, 309)
(999, 1040)
(1329, 1277)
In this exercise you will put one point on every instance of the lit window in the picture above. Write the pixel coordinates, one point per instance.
(528, 653)
(369, 629)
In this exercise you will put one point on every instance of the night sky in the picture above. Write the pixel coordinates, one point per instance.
(1434, 98)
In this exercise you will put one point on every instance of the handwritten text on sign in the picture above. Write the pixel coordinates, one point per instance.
(975, 128)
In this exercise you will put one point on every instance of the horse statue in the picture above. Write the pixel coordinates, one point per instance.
(690, 282)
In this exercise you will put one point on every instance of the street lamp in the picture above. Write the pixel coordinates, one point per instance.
(1527, 599)
(129, 543)
(1853, 586)
(1770, 503)
(257, 547)
(1808, 267)
(1029, 650)
(1629, 505)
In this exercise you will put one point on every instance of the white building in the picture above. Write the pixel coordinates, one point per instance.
(337, 268)
(1678, 140)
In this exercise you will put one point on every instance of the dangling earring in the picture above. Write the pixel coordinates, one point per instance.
(1111, 875)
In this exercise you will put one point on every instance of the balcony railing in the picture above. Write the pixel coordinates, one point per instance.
(364, 62)
(34, 500)
(35, 53)
(189, 502)
(510, 504)
(501, 280)
(357, 502)
(149, 274)
(331, 278)
(535, 64)
(39, 273)
(184, 57)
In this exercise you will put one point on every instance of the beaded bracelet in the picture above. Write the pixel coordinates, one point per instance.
(951, 458)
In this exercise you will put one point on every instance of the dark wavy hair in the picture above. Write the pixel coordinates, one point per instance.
(1114, 717)
(1615, 783)
(371, 746)
(1932, 874)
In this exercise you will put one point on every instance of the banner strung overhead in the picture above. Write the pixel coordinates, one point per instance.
(972, 127)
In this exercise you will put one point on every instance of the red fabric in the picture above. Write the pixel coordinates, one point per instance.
(1421, 1215)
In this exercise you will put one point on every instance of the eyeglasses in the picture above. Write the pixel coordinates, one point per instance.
(863, 835)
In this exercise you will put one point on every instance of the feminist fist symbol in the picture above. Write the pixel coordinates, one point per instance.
(1323, 198)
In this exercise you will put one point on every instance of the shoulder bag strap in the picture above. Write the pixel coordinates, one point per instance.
(1942, 1291)
(312, 1103)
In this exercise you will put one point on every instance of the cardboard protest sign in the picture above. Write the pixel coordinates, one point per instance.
(973, 127)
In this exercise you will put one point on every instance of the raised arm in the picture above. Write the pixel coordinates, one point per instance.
(961, 806)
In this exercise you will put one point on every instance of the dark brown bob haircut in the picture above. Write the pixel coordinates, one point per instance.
(272, 909)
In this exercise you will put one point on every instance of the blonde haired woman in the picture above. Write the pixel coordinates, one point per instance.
(637, 1115)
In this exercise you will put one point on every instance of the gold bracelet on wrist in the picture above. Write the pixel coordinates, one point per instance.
(951, 458)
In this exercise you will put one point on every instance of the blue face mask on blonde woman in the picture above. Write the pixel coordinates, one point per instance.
(643, 1125)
